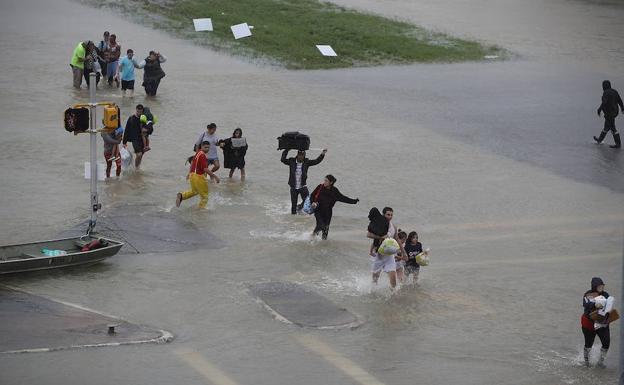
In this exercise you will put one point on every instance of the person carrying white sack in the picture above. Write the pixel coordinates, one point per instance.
(596, 299)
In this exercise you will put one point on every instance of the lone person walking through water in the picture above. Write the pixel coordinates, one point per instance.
(609, 107)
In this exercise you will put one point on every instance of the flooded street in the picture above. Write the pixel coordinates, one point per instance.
(492, 163)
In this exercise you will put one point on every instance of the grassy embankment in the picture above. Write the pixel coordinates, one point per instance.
(286, 32)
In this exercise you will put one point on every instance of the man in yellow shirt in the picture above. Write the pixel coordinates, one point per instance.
(78, 59)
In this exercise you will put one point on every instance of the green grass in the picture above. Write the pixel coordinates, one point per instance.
(287, 32)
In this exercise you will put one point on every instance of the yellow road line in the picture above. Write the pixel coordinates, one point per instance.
(338, 360)
(212, 373)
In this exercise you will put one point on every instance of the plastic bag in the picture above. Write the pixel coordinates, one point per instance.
(423, 258)
(307, 206)
(388, 247)
(126, 158)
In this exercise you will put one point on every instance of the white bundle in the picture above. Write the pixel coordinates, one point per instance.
(604, 306)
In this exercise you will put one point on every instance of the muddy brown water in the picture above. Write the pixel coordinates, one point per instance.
(492, 163)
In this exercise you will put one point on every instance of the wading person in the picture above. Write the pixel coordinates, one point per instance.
(132, 134)
(298, 176)
(412, 247)
(596, 299)
(324, 197)
(152, 72)
(211, 137)
(381, 262)
(113, 53)
(234, 150)
(112, 140)
(126, 67)
(197, 177)
(91, 64)
(610, 106)
(78, 59)
(102, 51)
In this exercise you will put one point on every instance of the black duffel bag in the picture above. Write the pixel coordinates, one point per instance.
(293, 141)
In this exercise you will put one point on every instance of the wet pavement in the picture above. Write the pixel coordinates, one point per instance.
(34, 324)
(492, 164)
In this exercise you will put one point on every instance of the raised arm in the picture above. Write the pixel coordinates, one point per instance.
(318, 160)
(619, 101)
(284, 160)
(162, 58)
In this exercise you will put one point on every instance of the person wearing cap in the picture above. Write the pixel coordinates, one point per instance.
(111, 150)
(211, 137)
(152, 72)
(298, 175)
(591, 328)
(78, 59)
(324, 197)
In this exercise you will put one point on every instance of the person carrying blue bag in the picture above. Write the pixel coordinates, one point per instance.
(324, 197)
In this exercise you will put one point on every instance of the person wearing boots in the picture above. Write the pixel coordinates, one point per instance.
(609, 107)
(298, 175)
(591, 328)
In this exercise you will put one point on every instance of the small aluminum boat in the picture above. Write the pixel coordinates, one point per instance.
(41, 255)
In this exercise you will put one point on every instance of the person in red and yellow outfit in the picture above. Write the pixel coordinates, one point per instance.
(197, 177)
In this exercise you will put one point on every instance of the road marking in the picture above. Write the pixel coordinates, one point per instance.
(338, 360)
(204, 367)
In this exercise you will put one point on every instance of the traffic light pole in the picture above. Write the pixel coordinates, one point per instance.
(95, 206)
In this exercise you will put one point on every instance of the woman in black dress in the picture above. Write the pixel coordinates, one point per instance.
(324, 197)
(234, 150)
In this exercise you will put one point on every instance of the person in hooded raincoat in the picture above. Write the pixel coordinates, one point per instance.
(611, 100)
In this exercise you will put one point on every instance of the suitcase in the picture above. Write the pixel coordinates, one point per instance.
(293, 141)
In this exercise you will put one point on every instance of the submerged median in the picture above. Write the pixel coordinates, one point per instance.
(287, 32)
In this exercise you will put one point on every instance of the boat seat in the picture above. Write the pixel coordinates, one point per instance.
(24, 255)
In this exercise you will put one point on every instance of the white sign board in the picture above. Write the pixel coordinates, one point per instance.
(101, 171)
(202, 24)
(326, 50)
(240, 30)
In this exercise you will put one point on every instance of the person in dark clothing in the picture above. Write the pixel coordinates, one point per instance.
(298, 176)
(324, 197)
(412, 248)
(588, 326)
(132, 134)
(152, 72)
(234, 150)
(609, 107)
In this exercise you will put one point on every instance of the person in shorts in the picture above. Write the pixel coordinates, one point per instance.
(385, 263)
(132, 134)
(125, 72)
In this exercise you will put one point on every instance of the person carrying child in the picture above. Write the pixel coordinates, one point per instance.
(197, 177)
(147, 121)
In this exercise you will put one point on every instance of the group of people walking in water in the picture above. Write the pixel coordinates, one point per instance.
(105, 60)
(399, 263)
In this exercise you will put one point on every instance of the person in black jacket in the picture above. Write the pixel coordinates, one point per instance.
(132, 133)
(298, 176)
(588, 325)
(609, 107)
(234, 153)
(324, 197)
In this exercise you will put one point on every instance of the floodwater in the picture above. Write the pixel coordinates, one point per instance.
(492, 163)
